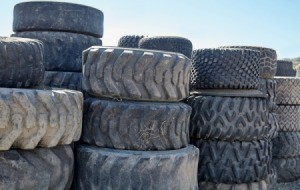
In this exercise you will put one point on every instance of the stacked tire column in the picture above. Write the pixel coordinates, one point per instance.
(66, 30)
(135, 131)
(229, 119)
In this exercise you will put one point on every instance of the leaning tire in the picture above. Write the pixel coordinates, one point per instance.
(67, 80)
(288, 169)
(286, 144)
(288, 89)
(101, 168)
(130, 41)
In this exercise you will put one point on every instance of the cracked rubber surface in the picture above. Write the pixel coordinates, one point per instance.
(288, 89)
(286, 144)
(288, 117)
(135, 74)
(130, 41)
(288, 169)
(285, 69)
(67, 80)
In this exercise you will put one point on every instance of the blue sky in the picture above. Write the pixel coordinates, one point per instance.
(207, 23)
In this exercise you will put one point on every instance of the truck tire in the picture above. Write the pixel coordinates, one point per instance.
(68, 80)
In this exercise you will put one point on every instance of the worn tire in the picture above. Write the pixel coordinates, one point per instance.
(41, 168)
(44, 118)
(135, 74)
(101, 168)
(288, 89)
(68, 80)
(269, 87)
(268, 58)
(286, 144)
(21, 62)
(225, 69)
(63, 51)
(288, 118)
(228, 118)
(273, 123)
(232, 162)
(261, 185)
(130, 41)
(136, 125)
(288, 169)
(285, 69)
(167, 43)
(58, 16)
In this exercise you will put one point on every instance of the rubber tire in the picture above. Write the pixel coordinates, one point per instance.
(63, 51)
(225, 69)
(67, 80)
(288, 89)
(288, 169)
(228, 118)
(274, 125)
(58, 16)
(130, 41)
(168, 43)
(285, 69)
(261, 185)
(44, 118)
(233, 162)
(21, 62)
(269, 87)
(288, 118)
(268, 58)
(135, 74)
(101, 168)
(286, 144)
(136, 125)
(41, 168)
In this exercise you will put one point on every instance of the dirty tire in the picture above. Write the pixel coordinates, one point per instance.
(286, 144)
(44, 118)
(63, 51)
(288, 118)
(232, 162)
(130, 41)
(21, 62)
(273, 123)
(41, 168)
(288, 89)
(285, 69)
(58, 16)
(135, 74)
(269, 87)
(168, 43)
(136, 125)
(68, 80)
(101, 168)
(225, 69)
(288, 169)
(268, 58)
(261, 185)
(228, 118)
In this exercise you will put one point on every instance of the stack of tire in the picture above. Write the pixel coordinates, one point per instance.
(36, 126)
(285, 69)
(229, 121)
(135, 132)
(66, 30)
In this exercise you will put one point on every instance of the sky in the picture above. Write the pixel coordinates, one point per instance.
(207, 23)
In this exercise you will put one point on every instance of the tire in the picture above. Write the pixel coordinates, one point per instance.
(261, 185)
(273, 123)
(228, 118)
(44, 118)
(268, 58)
(225, 69)
(233, 162)
(288, 118)
(63, 51)
(130, 41)
(272, 179)
(285, 69)
(21, 62)
(136, 125)
(286, 144)
(58, 16)
(168, 43)
(288, 169)
(68, 80)
(135, 74)
(288, 90)
(101, 168)
(268, 87)
(41, 168)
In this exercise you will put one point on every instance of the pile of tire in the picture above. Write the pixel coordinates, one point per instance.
(37, 126)
(285, 69)
(66, 30)
(229, 120)
(135, 130)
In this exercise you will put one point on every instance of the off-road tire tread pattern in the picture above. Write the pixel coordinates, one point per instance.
(67, 80)
(130, 41)
(288, 89)
(286, 144)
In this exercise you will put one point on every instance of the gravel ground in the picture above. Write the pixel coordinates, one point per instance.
(288, 186)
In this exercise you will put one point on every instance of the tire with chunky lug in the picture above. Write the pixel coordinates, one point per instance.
(261, 185)
(274, 125)
(288, 169)
(288, 89)
(286, 144)
(135, 74)
(288, 118)
(285, 69)
(130, 41)
(101, 168)
(67, 80)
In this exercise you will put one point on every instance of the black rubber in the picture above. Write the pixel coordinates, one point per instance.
(40, 168)
(228, 118)
(232, 162)
(135, 74)
(168, 43)
(21, 62)
(101, 168)
(225, 69)
(288, 169)
(273, 123)
(68, 80)
(268, 87)
(288, 89)
(58, 16)
(261, 185)
(286, 144)
(288, 118)
(268, 58)
(130, 41)
(285, 69)
(136, 125)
